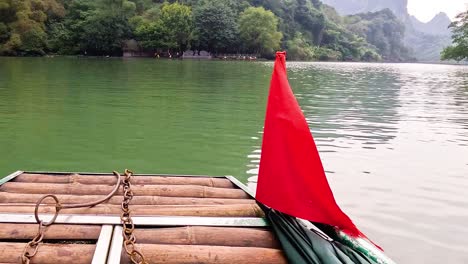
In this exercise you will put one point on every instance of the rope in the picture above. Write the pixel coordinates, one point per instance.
(31, 247)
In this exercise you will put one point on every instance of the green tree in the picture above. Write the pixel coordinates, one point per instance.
(93, 27)
(299, 49)
(308, 29)
(459, 50)
(311, 19)
(150, 35)
(258, 30)
(142, 5)
(286, 11)
(4, 32)
(65, 36)
(176, 25)
(23, 25)
(215, 27)
(104, 34)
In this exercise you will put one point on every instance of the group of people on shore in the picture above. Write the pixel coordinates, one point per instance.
(179, 55)
(238, 57)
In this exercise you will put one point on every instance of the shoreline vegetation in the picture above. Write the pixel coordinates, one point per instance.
(52, 56)
(249, 29)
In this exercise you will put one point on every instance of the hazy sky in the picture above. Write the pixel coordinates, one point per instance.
(425, 10)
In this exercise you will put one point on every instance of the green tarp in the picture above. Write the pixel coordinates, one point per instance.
(304, 246)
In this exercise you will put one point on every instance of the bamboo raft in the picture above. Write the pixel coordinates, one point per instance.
(178, 219)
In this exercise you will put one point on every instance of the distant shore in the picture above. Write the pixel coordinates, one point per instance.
(233, 59)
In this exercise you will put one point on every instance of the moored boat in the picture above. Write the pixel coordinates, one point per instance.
(176, 219)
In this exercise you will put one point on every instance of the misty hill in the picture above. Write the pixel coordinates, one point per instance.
(425, 40)
(426, 47)
(351, 7)
(437, 26)
(383, 30)
(310, 27)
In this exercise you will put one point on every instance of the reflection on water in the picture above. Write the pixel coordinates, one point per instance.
(393, 137)
(189, 117)
(394, 142)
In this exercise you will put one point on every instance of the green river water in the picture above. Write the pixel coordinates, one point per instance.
(393, 137)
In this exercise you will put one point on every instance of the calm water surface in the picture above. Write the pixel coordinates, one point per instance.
(393, 137)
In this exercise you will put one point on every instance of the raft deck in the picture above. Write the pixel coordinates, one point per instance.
(178, 219)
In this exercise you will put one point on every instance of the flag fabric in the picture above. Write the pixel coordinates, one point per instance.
(291, 176)
(302, 245)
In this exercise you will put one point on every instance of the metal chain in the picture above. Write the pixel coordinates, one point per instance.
(135, 255)
(31, 247)
(127, 223)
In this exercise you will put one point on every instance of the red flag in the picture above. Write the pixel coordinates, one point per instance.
(291, 177)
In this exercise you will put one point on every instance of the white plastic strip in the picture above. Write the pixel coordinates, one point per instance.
(241, 185)
(10, 177)
(102, 246)
(110, 174)
(116, 246)
(139, 220)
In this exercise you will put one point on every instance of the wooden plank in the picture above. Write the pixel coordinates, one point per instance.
(141, 200)
(189, 254)
(56, 231)
(49, 253)
(202, 235)
(10, 177)
(139, 220)
(152, 190)
(103, 244)
(110, 180)
(230, 210)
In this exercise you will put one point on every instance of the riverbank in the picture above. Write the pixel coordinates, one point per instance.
(235, 58)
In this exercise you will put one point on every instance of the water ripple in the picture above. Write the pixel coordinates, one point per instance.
(395, 137)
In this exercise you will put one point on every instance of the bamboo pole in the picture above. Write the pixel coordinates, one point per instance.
(49, 253)
(142, 200)
(110, 179)
(202, 235)
(57, 231)
(230, 210)
(156, 190)
(184, 254)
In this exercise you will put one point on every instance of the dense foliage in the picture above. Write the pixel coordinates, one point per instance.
(23, 25)
(459, 50)
(216, 27)
(257, 29)
(383, 30)
(307, 29)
